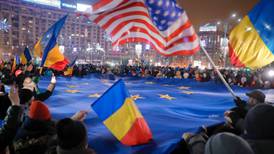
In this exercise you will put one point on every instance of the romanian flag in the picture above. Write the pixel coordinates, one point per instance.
(48, 49)
(252, 41)
(69, 71)
(121, 116)
(14, 63)
(26, 56)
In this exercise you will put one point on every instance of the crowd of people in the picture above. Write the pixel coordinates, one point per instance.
(240, 77)
(27, 124)
(248, 129)
(29, 128)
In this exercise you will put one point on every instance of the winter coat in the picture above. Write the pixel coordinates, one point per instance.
(35, 136)
(11, 124)
(262, 146)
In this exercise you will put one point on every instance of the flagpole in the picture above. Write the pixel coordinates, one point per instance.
(218, 72)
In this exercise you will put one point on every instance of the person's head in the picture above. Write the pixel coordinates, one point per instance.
(29, 84)
(25, 96)
(227, 143)
(71, 134)
(39, 111)
(259, 122)
(255, 97)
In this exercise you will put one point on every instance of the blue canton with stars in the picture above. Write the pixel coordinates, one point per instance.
(163, 12)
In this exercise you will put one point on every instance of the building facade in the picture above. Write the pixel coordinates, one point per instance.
(28, 22)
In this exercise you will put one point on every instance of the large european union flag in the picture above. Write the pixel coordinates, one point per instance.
(170, 107)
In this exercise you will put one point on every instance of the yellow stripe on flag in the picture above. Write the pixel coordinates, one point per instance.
(38, 49)
(23, 59)
(122, 120)
(54, 56)
(248, 45)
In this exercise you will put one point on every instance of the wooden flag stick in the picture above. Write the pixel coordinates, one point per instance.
(218, 72)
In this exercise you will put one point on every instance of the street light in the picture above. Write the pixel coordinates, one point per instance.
(233, 15)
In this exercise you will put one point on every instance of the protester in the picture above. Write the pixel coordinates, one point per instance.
(259, 128)
(227, 143)
(72, 137)
(37, 131)
(12, 120)
(235, 116)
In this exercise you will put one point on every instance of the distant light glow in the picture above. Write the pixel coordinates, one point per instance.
(53, 3)
(239, 20)
(62, 48)
(271, 73)
(83, 7)
(147, 46)
(233, 15)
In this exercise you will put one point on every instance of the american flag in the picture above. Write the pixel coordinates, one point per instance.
(161, 23)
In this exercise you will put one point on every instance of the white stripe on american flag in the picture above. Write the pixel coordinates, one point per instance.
(131, 21)
(181, 46)
(103, 5)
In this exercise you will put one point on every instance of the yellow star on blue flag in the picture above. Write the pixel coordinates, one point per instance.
(96, 95)
(73, 91)
(187, 92)
(136, 97)
(183, 88)
(166, 96)
(71, 86)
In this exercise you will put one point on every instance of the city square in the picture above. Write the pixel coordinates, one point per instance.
(136, 76)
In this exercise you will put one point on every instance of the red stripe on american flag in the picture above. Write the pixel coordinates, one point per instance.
(152, 28)
(100, 4)
(175, 53)
(103, 15)
(127, 16)
(160, 44)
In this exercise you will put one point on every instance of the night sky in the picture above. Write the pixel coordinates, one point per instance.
(203, 11)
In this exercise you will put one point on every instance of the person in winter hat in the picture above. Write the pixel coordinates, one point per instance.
(72, 137)
(37, 131)
(259, 129)
(227, 143)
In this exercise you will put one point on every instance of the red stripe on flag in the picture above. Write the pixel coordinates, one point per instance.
(103, 15)
(175, 53)
(139, 133)
(159, 43)
(100, 4)
(234, 58)
(60, 66)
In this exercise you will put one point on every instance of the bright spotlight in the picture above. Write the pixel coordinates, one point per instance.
(233, 15)
(271, 73)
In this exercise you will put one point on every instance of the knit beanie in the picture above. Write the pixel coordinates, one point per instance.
(70, 133)
(259, 122)
(227, 143)
(39, 111)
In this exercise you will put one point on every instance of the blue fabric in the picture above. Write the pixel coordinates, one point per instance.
(263, 20)
(111, 100)
(17, 59)
(27, 54)
(168, 119)
(1, 123)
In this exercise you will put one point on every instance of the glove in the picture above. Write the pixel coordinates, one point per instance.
(53, 80)
(239, 102)
(232, 118)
